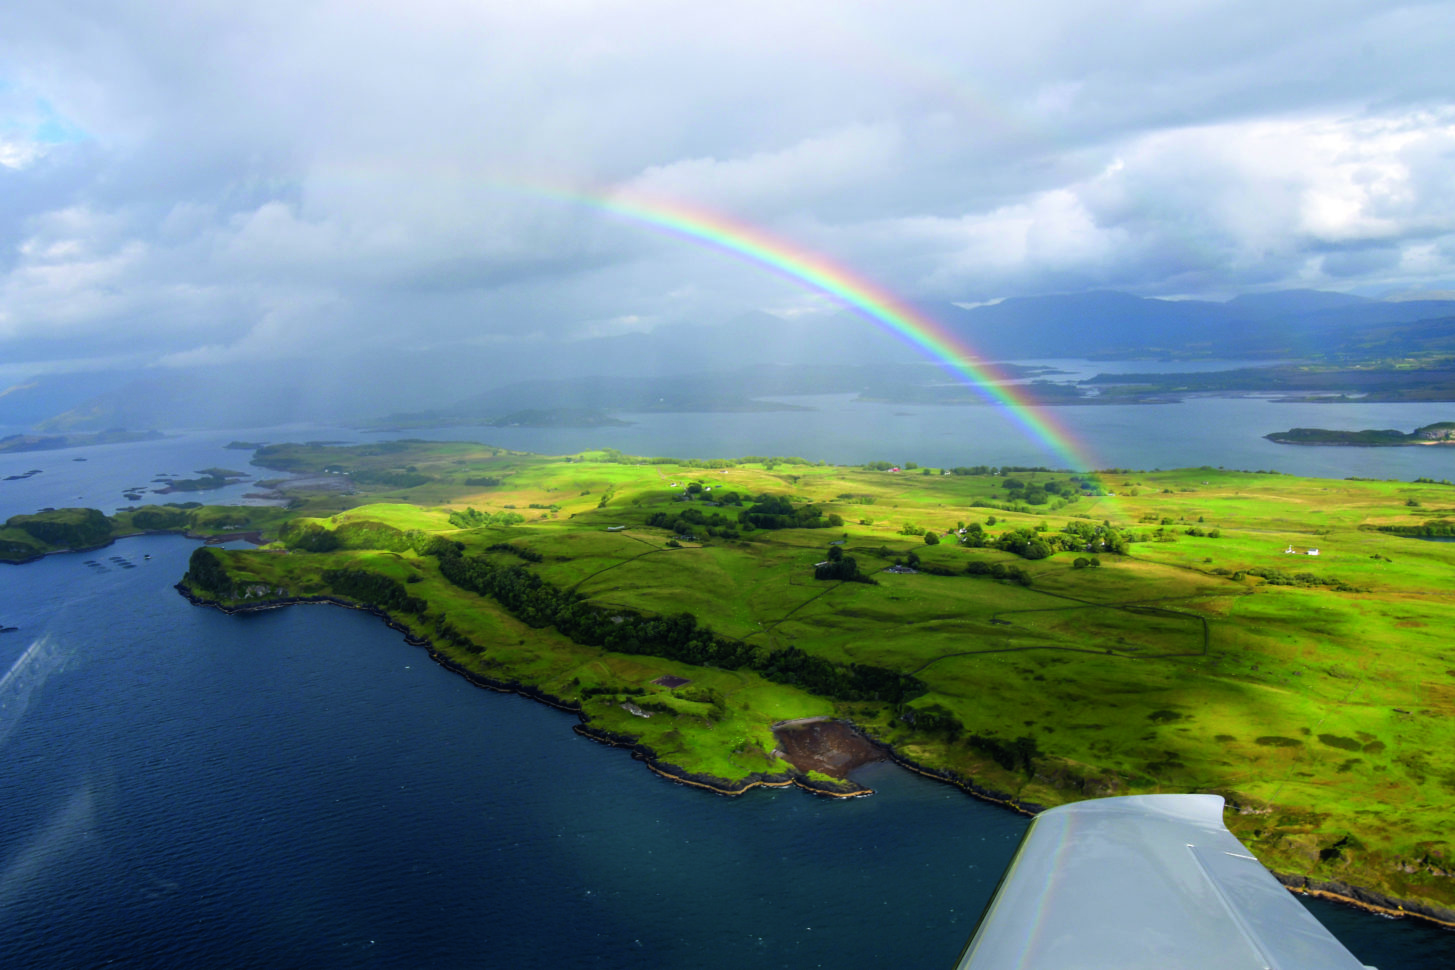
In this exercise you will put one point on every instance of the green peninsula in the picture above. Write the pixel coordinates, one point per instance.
(1439, 433)
(79, 439)
(1251, 634)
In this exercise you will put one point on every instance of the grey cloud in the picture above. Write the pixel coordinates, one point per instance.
(261, 178)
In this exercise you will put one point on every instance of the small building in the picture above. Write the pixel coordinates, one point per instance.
(616, 528)
(1313, 552)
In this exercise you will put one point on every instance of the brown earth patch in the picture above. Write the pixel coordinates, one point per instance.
(832, 747)
(1439, 698)
(671, 682)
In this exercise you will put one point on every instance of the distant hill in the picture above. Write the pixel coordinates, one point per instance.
(1110, 325)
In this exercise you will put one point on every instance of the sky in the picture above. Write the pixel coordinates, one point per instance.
(188, 183)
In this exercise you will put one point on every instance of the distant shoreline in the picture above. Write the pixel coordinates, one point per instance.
(1440, 433)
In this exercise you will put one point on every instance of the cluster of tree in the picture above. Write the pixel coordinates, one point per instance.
(205, 571)
(847, 682)
(1277, 577)
(1026, 543)
(841, 567)
(1076, 536)
(374, 589)
(367, 534)
(159, 517)
(522, 552)
(390, 478)
(691, 521)
(1431, 527)
(998, 570)
(933, 719)
(308, 537)
(485, 481)
(539, 603)
(779, 512)
(1036, 493)
(72, 528)
(1019, 754)
(473, 519)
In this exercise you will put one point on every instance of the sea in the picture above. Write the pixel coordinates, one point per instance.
(301, 787)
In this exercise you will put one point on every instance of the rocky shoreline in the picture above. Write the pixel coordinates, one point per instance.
(1359, 897)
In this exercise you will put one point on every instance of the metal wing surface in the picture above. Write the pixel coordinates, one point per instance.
(1145, 881)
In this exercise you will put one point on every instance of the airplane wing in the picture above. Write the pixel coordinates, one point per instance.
(1144, 881)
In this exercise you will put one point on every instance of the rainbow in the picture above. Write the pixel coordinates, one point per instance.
(852, 291)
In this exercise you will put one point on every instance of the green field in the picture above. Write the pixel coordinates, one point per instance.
(1316, 693)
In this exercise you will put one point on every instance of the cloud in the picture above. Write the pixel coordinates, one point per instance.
(195, 183)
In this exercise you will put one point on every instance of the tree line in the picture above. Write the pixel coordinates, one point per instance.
(680, 637)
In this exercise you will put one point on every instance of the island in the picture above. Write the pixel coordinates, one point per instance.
(54, 442)
(1033, 636)
(1439, 433)
(211, 478)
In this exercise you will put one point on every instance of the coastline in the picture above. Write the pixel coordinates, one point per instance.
(639, 751)
(1359, 897)
(255, 537)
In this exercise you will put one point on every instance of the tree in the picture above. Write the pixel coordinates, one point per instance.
(932, 538)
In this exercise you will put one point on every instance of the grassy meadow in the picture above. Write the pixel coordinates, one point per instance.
(1318, 697)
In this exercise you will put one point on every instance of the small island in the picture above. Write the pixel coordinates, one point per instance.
(211, 478)
(1439, 433)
